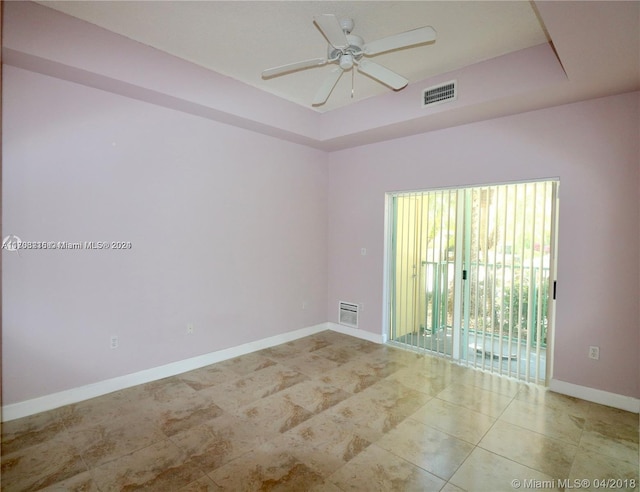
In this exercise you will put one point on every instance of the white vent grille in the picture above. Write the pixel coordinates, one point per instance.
(348, 314)
(439, 94)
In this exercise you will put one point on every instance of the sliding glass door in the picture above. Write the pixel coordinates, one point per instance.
(471, 274)
(424, 235)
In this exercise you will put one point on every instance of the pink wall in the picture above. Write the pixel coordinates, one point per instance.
(44, 40)
(228, 230)
(591, 146)
(233, 230)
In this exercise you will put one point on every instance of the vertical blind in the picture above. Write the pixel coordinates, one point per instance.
(471, 275)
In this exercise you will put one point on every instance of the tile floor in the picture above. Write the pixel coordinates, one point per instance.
(327, 412)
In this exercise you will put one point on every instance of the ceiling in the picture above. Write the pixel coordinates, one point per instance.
(508, 57)
(241, 38)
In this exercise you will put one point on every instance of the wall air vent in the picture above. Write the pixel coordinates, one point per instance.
(439, 94)
(348, 314)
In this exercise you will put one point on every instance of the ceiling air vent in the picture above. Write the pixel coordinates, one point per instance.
(348, 314)
(439, 93)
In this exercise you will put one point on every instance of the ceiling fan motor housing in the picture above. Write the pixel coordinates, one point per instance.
(348, 55)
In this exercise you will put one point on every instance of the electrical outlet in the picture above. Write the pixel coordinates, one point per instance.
(304, 304)
(114, 342)
(363, 251)
(190, 328)
(594, 352)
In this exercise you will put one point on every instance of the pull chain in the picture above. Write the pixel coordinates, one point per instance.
(353, 77)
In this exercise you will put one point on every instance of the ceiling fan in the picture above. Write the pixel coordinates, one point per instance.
(346, 50)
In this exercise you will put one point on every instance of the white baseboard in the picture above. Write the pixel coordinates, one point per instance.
(355, 332)
(614, 400)
(74, 395)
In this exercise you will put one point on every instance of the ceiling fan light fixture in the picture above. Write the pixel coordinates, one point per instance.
(346, 61)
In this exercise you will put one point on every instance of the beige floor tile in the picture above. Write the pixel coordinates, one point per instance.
(475, 398)
(549, 456)
(296, 348)
(343, 448)
(41, 465)
(376, 364)
(315, 396)
(545, 420)
(484, 471)
(395, 397)
(614, 448)
(491, 382)
(597, 412)
(260, 384)
(439, 368)
(266, 470)
(185, 414)
(173, 405)
(323, 442)
(352, 377)
(165, 393)
(426, 447)
(274, 414)
(280, 353)
(539, 395)
(376, 469)
(107, 440)
(276, 378)
(424, 380)
(106, 407)
(377, 411)
(359, 346)
(82, 482)
(311, 343)
(454, 420)
(434, 363)
(610, 473)
(246, 364)
(218, 441)
(31, 430)
(234, 394)
(205, 484)
(315, 458)
(161, 466)
(325, 486)
(309, 364)
(332, 337)
(340, 354)
(449, 487)
(613, 435)
(400, 355)
(208, 376)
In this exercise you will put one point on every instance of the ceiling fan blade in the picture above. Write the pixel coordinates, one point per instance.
(382, 74)
(332, 30)
(325, 90)
(291, 67)
(402, 40)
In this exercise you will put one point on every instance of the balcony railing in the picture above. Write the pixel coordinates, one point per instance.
(509, 301)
